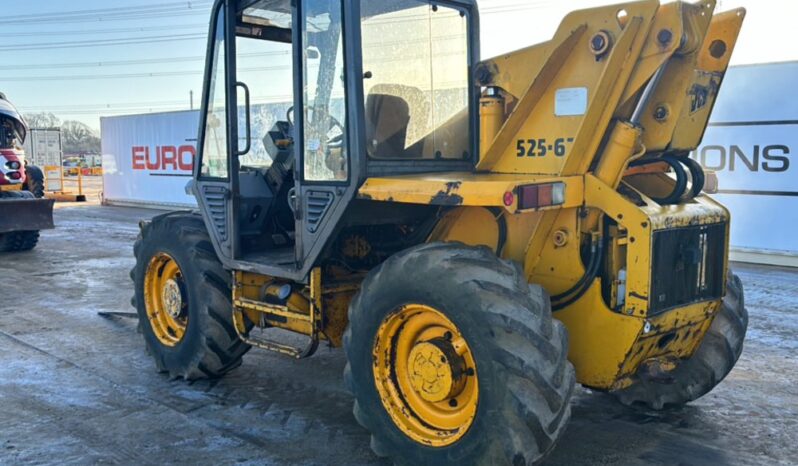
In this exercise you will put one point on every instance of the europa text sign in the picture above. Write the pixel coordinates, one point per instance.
(148, 159)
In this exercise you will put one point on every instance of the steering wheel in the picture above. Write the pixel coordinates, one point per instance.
(339, 139)
(334, 123)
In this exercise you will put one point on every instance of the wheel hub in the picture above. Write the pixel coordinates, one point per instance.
(165, 299)
(173, 298)
(426, 375)
(436, 371)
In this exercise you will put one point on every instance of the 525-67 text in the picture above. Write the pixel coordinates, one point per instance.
(542, 148)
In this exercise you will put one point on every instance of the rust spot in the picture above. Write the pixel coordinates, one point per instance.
(700, 95)
(447, 196)
(453, 186)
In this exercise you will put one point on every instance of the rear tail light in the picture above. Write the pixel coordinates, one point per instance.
(533, 196)
(14, 175)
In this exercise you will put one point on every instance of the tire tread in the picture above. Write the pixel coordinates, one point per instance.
(528, 348)
(221, 349)
(712, 362)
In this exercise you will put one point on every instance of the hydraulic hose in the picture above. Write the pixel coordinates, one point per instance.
(697, 176)
(579, 284)
(591, 272)
(501, 223)
(681, 178)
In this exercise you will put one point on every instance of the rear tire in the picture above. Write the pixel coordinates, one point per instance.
(711, 363)
(209, 346)
(524, 379)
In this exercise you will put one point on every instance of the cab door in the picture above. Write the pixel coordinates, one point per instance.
(213, 174)
(326, 128)
(326, 176)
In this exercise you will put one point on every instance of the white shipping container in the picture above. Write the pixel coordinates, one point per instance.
(43, 147)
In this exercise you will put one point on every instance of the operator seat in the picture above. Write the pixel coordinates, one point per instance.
(387, 120)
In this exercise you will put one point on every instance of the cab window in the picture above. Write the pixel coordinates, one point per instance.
(324, 114)
(416, 86)
(214, 149)
(264, 65)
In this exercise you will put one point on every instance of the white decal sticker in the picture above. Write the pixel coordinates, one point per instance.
(571, 101)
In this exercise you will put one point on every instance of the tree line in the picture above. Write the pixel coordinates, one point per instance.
(76, 137)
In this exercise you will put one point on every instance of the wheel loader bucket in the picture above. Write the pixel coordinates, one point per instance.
(26, 214)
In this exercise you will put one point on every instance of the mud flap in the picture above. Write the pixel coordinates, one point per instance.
(26, 214)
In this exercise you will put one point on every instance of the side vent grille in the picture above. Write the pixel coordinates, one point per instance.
(215, 199)
(318, 203)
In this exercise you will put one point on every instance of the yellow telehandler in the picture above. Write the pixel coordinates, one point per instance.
(477, 235)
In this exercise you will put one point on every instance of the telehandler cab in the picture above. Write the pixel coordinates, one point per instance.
(478, 235)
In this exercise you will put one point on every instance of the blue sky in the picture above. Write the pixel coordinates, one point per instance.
(92, 78)
(64, 69)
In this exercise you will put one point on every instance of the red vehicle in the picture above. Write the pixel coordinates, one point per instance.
(23, 209)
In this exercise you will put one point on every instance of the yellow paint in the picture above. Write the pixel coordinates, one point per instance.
(599, 339)
(623, 145)
(431, 374)
(464, 189)
(164, 301)
(425, 375)
(254, 298)
(653, 54)
(567, 62)
(674, 91)
(491, 112)
(475, 226)
(709, 71)
(672, 335)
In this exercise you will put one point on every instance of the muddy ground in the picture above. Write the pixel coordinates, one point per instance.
(76, 388)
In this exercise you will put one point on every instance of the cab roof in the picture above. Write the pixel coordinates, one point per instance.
(7, 110)
(284, 6)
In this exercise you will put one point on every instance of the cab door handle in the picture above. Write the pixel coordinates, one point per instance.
(247, 119)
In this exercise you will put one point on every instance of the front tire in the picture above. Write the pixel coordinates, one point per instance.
(19, 241)
(34, 182)
(183, 299)
(452, 299)
(713, 360)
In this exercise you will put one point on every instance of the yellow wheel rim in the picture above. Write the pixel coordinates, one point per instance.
(165, 299)
(425, 375)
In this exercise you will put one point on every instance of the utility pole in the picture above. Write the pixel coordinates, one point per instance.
(191, 99)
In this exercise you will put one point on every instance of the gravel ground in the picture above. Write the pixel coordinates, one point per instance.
(76, 388)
